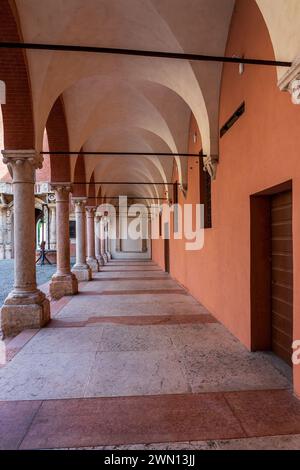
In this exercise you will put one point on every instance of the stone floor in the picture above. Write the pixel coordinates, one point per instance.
(134, 361)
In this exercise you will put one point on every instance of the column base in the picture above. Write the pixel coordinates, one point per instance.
(82, 272)
(62, 285)
(104, 256)
(23, 311)
(108, 254)
(100, 260)
(93, 264)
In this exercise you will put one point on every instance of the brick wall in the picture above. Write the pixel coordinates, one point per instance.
(17, 112)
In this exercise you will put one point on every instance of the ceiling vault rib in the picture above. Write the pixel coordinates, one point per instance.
(141, 53)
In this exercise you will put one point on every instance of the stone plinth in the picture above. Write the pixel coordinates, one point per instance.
(24, 311)
(63, 285)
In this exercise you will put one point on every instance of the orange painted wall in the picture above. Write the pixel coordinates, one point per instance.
(260, 151)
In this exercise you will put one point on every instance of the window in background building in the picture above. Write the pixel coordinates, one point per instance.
(72, 228)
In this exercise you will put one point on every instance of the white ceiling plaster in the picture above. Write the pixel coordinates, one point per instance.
(157, 95)
(282, 18)
(147, 97)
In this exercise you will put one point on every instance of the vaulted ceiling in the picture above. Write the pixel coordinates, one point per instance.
(124, 103)
(128, 103)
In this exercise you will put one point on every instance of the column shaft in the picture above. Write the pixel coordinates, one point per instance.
(81, 269)
(24, 237)
(102, 241)
(91, 256)
(98, 241)
(107, 248)
(63, 282)
(52, 227)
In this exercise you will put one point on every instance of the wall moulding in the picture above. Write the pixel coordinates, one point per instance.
(290, 81)
(210, 164)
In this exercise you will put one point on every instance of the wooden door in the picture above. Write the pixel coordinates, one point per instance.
(282, 275)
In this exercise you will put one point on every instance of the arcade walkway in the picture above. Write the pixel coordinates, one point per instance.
(135, 361)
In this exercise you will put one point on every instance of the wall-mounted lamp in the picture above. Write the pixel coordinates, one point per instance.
(241, 68)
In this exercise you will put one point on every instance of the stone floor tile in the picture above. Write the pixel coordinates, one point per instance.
(267, 412)
(15, 419)
(131, 420)
(45, 376)
(135, 338)
(224, 370)
(70, 340)
(129, 373)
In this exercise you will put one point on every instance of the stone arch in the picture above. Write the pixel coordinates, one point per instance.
(92, 192)
(80, 190)
(58, 140)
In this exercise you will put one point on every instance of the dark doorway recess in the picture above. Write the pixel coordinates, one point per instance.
(205, 194)
(272, 271)
(167, 255)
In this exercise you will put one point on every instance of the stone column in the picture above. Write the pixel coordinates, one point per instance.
(26, 306)
(108, 254)
(46, 227)
(98, 241)
(52, 230)
(64, 282)
(8, 254)
(118, 241)
(91, 255)
(81, 269)
(2, 231)
(102, 241)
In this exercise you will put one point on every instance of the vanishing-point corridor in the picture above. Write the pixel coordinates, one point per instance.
(135, 360)
(149, 165)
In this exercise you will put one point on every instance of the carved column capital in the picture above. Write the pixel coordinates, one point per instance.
(90, 211)
(62, 191)
(22, 164)
(290, 81)
(3, 202)
(183, 189)
(210, 164)
(79, 203)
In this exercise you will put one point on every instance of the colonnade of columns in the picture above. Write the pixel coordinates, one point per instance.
(26, 306)
(91, 248)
